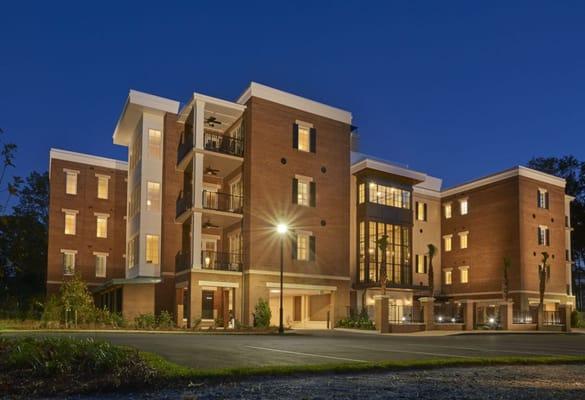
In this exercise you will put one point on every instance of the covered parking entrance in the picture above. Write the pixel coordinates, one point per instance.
(304, 306)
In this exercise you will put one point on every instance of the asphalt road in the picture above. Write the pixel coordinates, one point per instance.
(321, 347)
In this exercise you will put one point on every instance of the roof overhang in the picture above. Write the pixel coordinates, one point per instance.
(137, 103)
(223, 110)
(413, 176)
(129, 281)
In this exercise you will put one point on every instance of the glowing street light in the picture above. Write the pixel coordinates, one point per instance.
(282, 229)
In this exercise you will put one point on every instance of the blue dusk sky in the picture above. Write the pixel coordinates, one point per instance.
(457, 89)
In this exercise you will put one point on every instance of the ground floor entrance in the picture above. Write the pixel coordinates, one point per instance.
(302, 309)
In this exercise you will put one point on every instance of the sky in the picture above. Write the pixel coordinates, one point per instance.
(456, 89)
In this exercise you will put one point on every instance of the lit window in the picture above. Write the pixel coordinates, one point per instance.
(304, 138)
(100, 264)
(448, 212)
(543, 235)
(464, 274)
(154, 143)
(101, 225)
(70, 221)
(102, 190)
(542, 198)
(71, 181)
(304, 191)
(153, 197)
(68, 261)
(421, 211)
(132, 254)
(421, 264)
(388, 196)
(302, 247)
(448, 277)
(447, 242)
(152, 249)
(361, 193)
(463, 239)
(463, 206)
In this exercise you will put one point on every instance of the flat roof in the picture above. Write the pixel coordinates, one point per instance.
(89, 159)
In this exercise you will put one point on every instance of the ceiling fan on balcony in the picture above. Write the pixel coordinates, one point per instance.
(212, 121)
(211, 171)
(208, 224)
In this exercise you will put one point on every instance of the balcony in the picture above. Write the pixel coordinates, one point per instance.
(182, 261)
(222, 202)
(223, 144)
(221, 261)
(183, 206)
(183, 150)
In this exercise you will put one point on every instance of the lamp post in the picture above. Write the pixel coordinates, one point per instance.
(282, 229)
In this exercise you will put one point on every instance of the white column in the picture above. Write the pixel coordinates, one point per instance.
(196, 240)
(198, 123)
(198, 180)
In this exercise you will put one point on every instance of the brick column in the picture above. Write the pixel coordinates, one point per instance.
(506, 315)
(566, 310)
(428, 306)
(332, 310)
(468, 315)
(540, 317)
(180, 307)
(382, 313)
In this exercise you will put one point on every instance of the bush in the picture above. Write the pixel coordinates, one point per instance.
(165, 320)
(577, 319)
(262, 314)
(52, 313)
(145, 321)
(361, 321)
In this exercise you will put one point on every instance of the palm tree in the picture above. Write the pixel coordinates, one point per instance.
(505, 283)
(431, 276)
(543, 277)
(382, 243)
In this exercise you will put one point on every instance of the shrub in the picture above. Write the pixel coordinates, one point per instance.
(165, 320)
(577, 319)
(145, 321)
(77, 301)
(361, 321)
(52, 313)
(262, 314)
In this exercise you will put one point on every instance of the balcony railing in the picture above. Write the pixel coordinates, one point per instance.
(222, 202)
(185, 146)
(182, 261)
(221, 261)
(183, 203)
(524, 316)
(404, 314)
(223, 144)
(552, 318)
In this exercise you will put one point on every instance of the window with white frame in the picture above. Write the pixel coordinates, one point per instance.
(154, 143)
(68, 261)
(304, 191)
(463, 206)
(304, 138)
(100, 264)
(421, 211)
(421, 264)
(101, 225)
(542, 198)
(448, 273)
(361, 193)
(448, 210)
(71, 181)
(153, 196)
(303, 246)
(447, 242)
(152, 253)
(543, 235)
(132, 255)
(463, 236)
(464, 274)
(102, 187)
(70, 221)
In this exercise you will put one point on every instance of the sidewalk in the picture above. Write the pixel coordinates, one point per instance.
(438, 333)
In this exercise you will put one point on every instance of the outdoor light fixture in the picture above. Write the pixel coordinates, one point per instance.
(207, 261)
(492, 320)
(453, 320)
(282, 229)
(440, 319)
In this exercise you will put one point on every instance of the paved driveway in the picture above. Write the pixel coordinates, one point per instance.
(320, 347)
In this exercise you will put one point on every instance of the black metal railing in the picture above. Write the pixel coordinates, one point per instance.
(222, 202)
(552, 318)
(448, 313)
(404, 314)
(222, 261)
(223, 144)
(182, 261)
(184, 202)
(524, 316)
(185, 146)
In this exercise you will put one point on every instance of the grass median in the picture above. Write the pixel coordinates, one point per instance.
(32, 366)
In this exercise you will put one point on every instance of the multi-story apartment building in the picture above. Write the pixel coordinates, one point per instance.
(191, 219)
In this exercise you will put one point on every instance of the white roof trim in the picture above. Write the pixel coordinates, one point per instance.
(294, 101)
(509, 173)
(388, 168)
(88, 159)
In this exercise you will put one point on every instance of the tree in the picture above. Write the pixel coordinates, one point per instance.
(76, 300)
(7, 152)
(506, 281)
(543, 277)
(382, 244)
(432, 250)
(262, 314)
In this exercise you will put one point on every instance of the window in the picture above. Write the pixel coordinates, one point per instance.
(542, 198)
(304, 137)
(153, 197)
(135, 151)
(102, 189)
(448, 276)
(398, 262)
(421, 264)
(447, 242)
(152, 249)
(235, 247)
(421, 211)
(464, 274)
(388, 196)
(361, 193)
(154, 143)
(133, 252)
(68, 261)
(463, 206)
(102, 225)
(70, 221)
(71, 181)
(134, 203)
(362, 251)
(100, 264)
(543, 235)
(303, 247)
(463, 239)
(448, 211)
(304, 191)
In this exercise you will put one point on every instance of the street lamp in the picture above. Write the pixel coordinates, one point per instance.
(282, 229)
